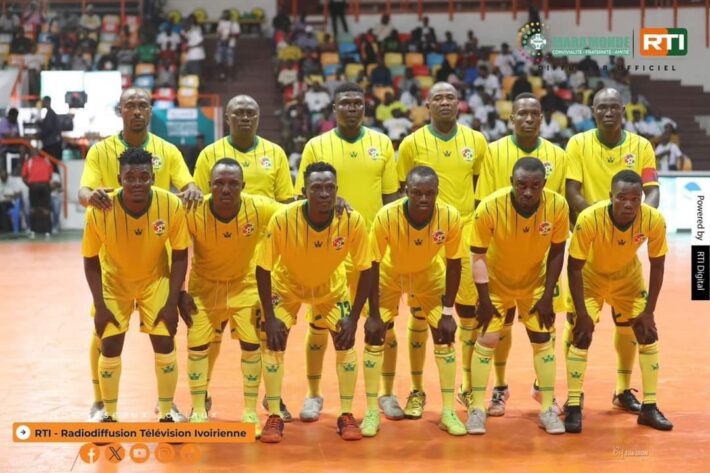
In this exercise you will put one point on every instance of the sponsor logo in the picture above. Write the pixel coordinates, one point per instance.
(660, 42)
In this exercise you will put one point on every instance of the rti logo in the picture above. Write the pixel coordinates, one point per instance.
(664, 42)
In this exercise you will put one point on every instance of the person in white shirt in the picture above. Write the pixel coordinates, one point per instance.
(668, 156)
(10, 190)
(227, 33)
(192, 35)
(317, 98)
(384, 29)
(505, 62)
(493, 127)
(638, 126)
(549, 128)
(580, 114)
(168, 39)
(398, 126)
(489, 82)
(553, 74)
(90, 21)
(412, 97)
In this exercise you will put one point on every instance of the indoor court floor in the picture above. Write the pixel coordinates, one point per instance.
(44, 340)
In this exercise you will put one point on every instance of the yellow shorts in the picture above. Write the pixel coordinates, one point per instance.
(353, 276)
(559, 297)
(625, 291)
(236, 301)
(123, 297)
(424, 291)
(324, 311)
(523, 299)
(467, 294)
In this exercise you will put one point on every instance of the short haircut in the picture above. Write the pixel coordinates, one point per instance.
(228, 162)
(628, 176)
(524, 95)
(528, 163)
(347, 87)
(422, 171)
(13, 111)
(135, 156)
(320, 166)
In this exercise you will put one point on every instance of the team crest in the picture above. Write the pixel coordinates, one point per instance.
(548, 169)
(156, 162)
(544, 228)
(438, 237)
(373, 152)
(275, 299)
(339, 243)
(159, 227)
(629, 160)
(247, 229)
(639, 238)
(467, 154)
(266, 163)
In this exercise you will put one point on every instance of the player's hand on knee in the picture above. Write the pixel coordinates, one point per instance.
(582, 331)
(187, 307)
(374, 330)
(545, 312)
(341, 205)
(345, 336)
(485, 313)
(276, 334)
(100, 198)
(645, 328)
(446, 330)
(102, 318)
(169, 315)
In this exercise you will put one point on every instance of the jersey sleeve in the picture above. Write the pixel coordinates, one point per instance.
(179, 172)
(574, 160)
(283, 186)
(267, 251)
(649, 175)
(482, 228)
(91, 242)
(405, 160)
(360, 248)
(560, 227)
(390, 184)
(657, 244)
(307, 158)
(202, 172)
(91, 175)
(179, 234)
(379, 237)
(454, 246)
(583, 236)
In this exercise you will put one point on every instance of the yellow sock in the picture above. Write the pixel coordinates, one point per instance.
(468, 340)
(500, 357)
(480, 369)
(417, 334)
(94, 353)
(372, 363)
(167, 374)
(251, 371)
(272, 362)
(445, 356)
(625, 345)
(648, 359)
(212, 354)
(197, 367)
(389, 363)
(544, 361)
(346, 366)
(316, 344)
(576, 367)
(110, 372)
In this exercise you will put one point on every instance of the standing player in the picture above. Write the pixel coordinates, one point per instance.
(126, 266)
(364, 160)
(518, 246)
(455, 152)
(225, 230)
(264, 166)
(407, 239)
(603, 267)
(496, 169)
(594, 157)
(100, 178)
(305, 248)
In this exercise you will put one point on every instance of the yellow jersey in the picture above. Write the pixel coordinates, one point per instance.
(132, 247)
(365, 166)
(302, 255)
(102, 165)
(265, 166)
(518, 244)
(401, 246)
(456, 160)
(593, 163)
(608, 248)
(497, 166)
(224, 249)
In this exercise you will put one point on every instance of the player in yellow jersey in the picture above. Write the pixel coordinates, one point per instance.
(367, 179)
(410, 239)
(496, 170)
(593, 158)
(100, 178)
(603, 267)
(126, 266)
(304, 249)
(225, 230)
(518, 246)
(264, 163)
(455, 152)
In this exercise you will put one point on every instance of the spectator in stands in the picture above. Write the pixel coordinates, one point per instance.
(192, 152)
(310, 65)
(328, 45)
(9, 128)
(89, 44)
(307, 39)
(8, 21)
(381, 74)
(449, 45)
(392, 44)
(294, 159)
(383, 112)
(362, 81)
(589, 67)
(326, 122)
(445, 72)
(635, 106)
(553, 72)
(166, 74)
(337, 11)
(50, 131)
(398, 126)
(409, 80)
(32, 17)
(288, 74)
(282, 20)
(619, 72)
(505, 62)
(411, 97)
(580, 114)
(520, 86)
(10, 190)
(298, 122)
(34, 63)
(669, 157)
(423, 31)
(20, 43)
(384, 29)
(299, 27)
(657, 122)
(168, 38)
(333, 84)
(192, 34)
(126, 55)
(549, 128)
(227, 33)
(55, 188)
(90, 22)
(317, 98)
(551, 101)
(146, 52)
(638, 125)
(493, 128)
(37, 174)
(368, 53)
(488, 81)
(471, 45)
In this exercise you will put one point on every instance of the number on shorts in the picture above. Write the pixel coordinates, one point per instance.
(344, 307)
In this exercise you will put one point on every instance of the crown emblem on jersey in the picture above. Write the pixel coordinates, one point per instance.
(548, 169)
(544, 228)
(621, 242)
(629, 160)
(107, 374)
(447, 153)
(349, 366)
(168, 369)
(526, 229)
(138, 231)
(576, 374)
(548, 358)
(369, 364)
(318, 244)
(639, 238)
(610, 159)
(266, 163)
(416, 345)
(353, 154)
(251, 377)
(450, 359)
(247, 229)
(227, 234)
(159, 227)
(418, 242)
(438, 237)
(373, 152)
(245, 164)
(467, 154)
(194, 376)
(393, 344)
(275, 299)
(156, 162)
(314, 347)
(484, 361)
(339, 243)
(272, 368)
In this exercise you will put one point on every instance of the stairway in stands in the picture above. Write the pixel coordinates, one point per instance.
(682, 104)
(254, 77)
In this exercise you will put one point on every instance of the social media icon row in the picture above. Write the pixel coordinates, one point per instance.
(139, 453)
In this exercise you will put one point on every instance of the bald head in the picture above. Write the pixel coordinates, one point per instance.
(133, 92)
(607, 95)
(442, 87)
(239, 100)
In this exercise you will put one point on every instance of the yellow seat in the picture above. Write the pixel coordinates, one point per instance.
(187, 97)
(380, 91)
(145, 69)
(453, 59)
(290, 53)
(507, 85)
(492, 59)
(425, 82)
(393, 59)
(327, 59)
(412, 59)
(504, 109)
(191, 81)
(313, 78)
(5, 49)
(352, 70)
(560, 118)
(536, 82)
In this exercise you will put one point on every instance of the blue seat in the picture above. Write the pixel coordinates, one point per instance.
(434, 59)
(471, 75)
(144, 82)
(347, 49)
(331, 69)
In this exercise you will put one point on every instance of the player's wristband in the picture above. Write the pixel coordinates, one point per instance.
(447, 311)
